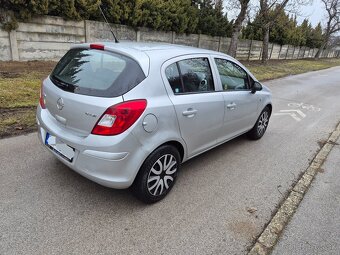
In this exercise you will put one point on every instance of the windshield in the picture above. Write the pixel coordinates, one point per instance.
(96, 73)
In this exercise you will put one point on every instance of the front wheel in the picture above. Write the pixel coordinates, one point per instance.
(157, 175)
(261, 125)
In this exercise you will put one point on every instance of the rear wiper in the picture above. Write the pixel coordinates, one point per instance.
(62, 84)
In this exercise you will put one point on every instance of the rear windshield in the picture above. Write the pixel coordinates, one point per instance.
(96, 73)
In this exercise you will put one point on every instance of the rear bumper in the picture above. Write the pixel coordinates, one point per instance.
(111, 161)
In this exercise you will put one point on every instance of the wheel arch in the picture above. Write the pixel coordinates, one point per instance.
(269, 105)
(177, 145)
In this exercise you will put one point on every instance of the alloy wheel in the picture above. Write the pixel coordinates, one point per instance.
(263, 122)
(162, 175)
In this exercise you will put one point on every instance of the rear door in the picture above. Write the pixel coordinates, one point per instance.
(240, 105)
(85, 83)
(199, 107)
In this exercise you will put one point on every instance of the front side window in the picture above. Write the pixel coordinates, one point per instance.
(233, 77)
(96, 73)
(190, 76)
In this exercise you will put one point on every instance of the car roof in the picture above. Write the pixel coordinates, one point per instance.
(145, 52)
(171, 49)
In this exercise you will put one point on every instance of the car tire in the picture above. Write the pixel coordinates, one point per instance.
(157, 175)
(261, 125)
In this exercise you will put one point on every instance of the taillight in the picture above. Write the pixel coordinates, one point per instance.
(118, 118)
(42, 98)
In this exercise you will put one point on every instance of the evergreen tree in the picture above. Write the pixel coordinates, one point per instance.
(316, 37)
(285, 31)
(293, 34)
(181, 16)
(211, 20)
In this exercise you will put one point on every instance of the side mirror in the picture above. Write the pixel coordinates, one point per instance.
(256, 87)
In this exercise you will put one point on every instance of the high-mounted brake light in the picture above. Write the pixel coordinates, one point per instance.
(96, 46)
(42, 98)
(118, 118)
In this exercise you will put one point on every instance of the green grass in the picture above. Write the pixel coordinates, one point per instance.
(280, 68)
(19, 95)
(22, 91)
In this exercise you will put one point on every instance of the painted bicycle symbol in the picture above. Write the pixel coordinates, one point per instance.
(308, 107)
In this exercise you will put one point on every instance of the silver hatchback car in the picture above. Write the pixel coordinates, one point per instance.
(128, 114)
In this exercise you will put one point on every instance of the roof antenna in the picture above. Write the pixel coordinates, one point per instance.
(114, 36)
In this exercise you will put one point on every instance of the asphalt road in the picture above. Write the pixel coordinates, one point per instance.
(46, 208)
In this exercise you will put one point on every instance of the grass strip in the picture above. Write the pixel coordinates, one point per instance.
(281, 68)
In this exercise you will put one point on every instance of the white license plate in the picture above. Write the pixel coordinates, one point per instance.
(59, 147)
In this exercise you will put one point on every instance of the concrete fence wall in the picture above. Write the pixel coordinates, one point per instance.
(48, 38)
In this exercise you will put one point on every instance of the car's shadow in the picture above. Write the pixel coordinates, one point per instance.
(73, 187)
(214, 154)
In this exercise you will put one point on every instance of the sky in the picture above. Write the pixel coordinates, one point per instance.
(314, 12)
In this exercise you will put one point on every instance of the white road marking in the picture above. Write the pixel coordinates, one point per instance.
(308, 107)
(292, 113)
(297, 111)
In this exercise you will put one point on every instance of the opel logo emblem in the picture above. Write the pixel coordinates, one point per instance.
(60, 103)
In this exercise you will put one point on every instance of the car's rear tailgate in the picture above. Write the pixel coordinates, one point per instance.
(74, 111)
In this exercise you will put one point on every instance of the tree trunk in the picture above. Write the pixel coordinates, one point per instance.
(265, 44)
(318, 54)
(237, 27)
(233, 43)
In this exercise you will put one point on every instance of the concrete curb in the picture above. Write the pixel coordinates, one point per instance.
(271, 234)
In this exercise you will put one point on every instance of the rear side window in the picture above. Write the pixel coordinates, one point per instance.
(190, 76)
(96, 73)
(174, 79)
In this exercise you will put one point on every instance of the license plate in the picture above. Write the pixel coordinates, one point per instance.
(62, 149)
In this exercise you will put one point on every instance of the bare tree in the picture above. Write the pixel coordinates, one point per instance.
(269, 11)
(334, 41)
(237, 27)
(333, 23)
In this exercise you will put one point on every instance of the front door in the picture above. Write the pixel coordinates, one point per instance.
(240, 105)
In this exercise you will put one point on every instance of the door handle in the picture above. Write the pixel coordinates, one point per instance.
(189, 112)
(231, 106)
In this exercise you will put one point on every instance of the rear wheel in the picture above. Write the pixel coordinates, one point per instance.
(157, 175)
(261, 125)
